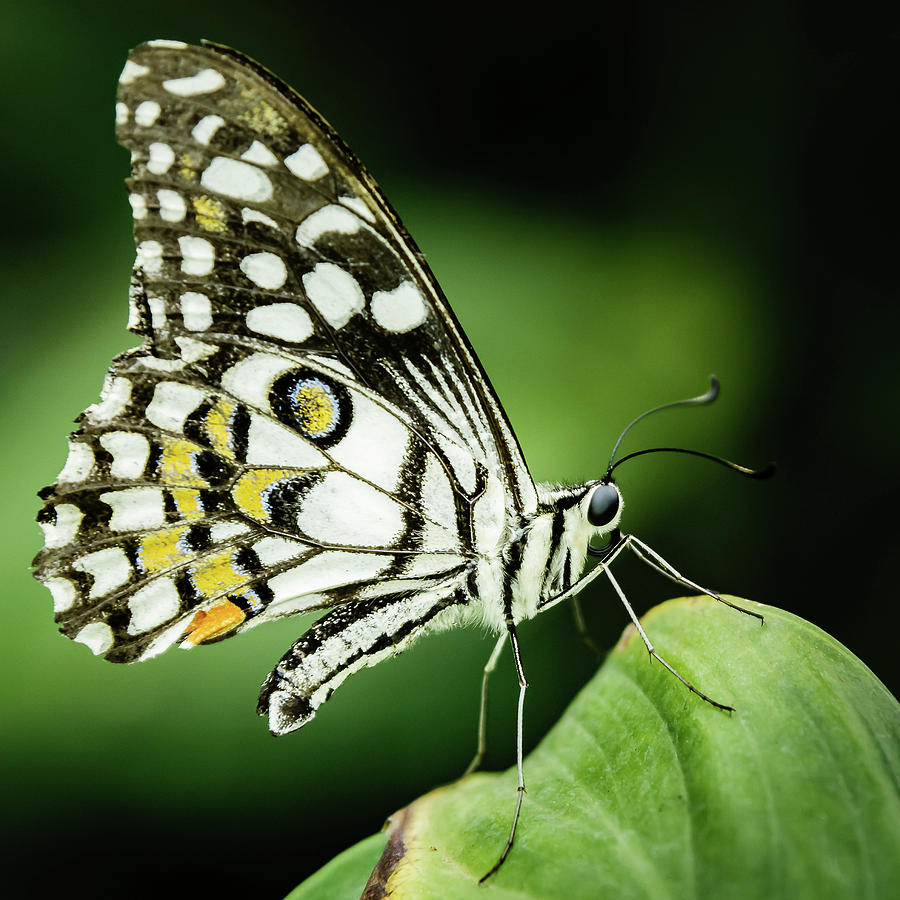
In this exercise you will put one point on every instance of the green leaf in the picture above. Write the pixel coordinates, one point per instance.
(345, 875)
(644, 790)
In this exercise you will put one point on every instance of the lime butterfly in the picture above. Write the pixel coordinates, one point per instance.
(305, 425)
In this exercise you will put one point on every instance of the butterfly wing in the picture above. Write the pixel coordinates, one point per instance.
(305, 424)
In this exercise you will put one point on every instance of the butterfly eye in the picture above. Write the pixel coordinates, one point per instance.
(603, 505)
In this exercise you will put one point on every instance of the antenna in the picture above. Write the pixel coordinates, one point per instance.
(766, 471)
(702, 400)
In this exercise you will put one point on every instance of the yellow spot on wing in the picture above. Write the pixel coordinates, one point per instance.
(248, 490)
(210, 213)
(314, 408)
(262, 116)
(219, 619)
(216, 574)
(160, 550)
(218, 427)
(188, 503)
(189, 163)
(176, 464)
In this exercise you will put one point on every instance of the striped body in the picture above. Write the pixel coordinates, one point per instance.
(304, 426)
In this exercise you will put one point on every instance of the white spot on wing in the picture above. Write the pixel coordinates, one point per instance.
(358, 207)
(272, 444)
(114, 398)
(224, 531)
(306, 163)
(163, 42)
(198, 255)
(158, 364)
(63, 592)
(135, 509)
(267, 270)
(204, 130)
(172, 207)
(97, 636)
(193, 350)
(401, 309)
(234, 178)
(121, 113)
(275, 550)
(63, 531)
(330, 569)
(285, 321)
(110, 569)
(204, 82)
(251, 378)
(334, 293)
(343, 510)
(157, 312)
(328, 362)
(460, 461)
(146, 113)
(149, 257)
(374, 445)
(153, 605)
(254, 215)
(138, 206)
(260, 154)
(196, 311)
(79, 462)
(135, 308)
(331, 218)
(172, 403)
(129, 450)
(165, 639)
(161, 158)
(131, 71)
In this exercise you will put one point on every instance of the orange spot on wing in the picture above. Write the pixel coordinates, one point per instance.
(219, 619)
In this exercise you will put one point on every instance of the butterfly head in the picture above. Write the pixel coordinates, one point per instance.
(602, 502)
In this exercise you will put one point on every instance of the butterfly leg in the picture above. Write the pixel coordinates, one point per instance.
(482, 714)
(585, 579)
(655, 561)
(523, 685)
(581, 626)
(652, 651)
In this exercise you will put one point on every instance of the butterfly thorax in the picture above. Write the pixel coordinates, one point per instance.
(548, 554)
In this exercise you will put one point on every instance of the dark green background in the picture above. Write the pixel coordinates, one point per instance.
(617, 202)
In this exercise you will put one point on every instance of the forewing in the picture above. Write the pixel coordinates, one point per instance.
(297, 246)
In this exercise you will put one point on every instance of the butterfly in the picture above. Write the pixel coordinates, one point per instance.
(305, 426)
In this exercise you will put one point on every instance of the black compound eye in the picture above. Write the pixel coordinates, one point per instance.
(603, 506)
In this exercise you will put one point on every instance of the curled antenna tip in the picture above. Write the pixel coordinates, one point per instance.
(767, 471)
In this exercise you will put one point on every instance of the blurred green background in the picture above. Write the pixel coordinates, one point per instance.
(617, 203)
